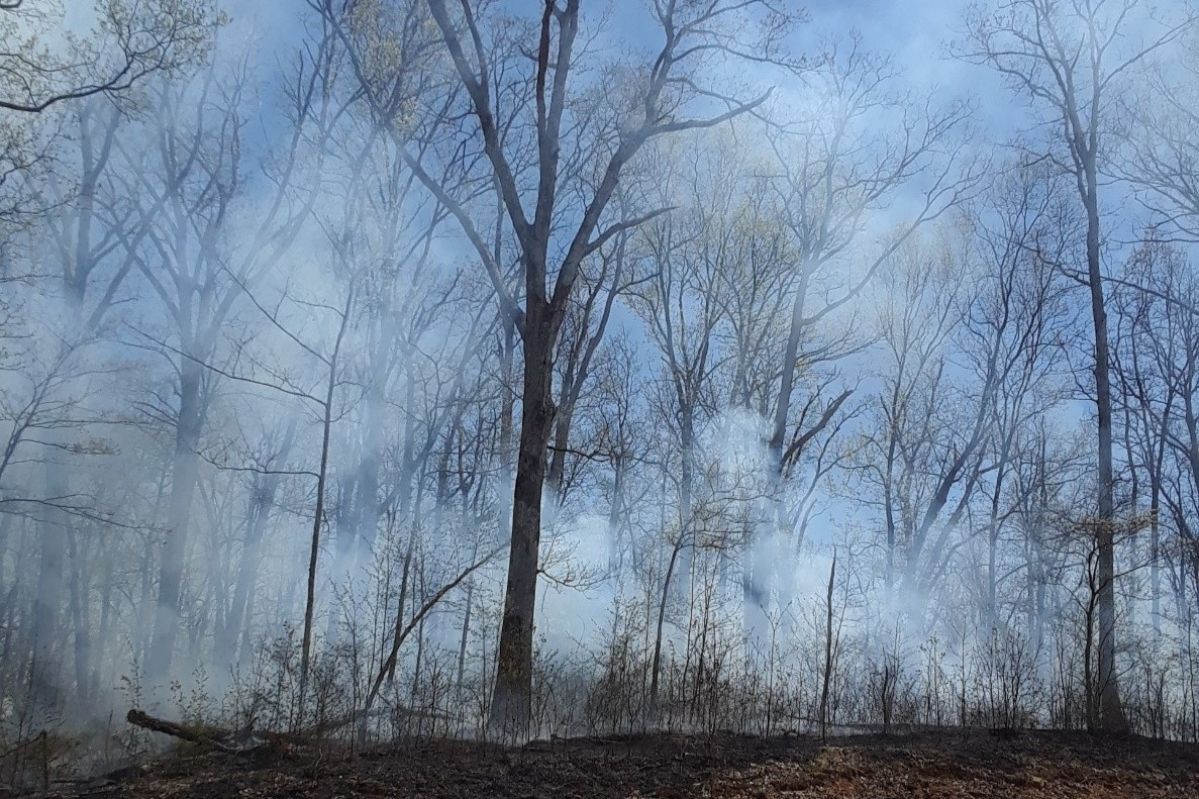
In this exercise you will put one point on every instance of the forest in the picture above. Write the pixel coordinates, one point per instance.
(500, 370)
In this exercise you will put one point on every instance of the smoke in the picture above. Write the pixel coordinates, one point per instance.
(285, 316)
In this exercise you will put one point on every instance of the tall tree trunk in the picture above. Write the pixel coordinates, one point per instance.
(103, 633)
(687, 532)
(317, 518)
(366, 512)
(261, 501)
(993, 529)
(464, 639)
(405, 573)
(828, 650)
(45, 670)
(1111, 709)
(184, 473)
(78, 598)
(656, 663)
(758, 588)
(507, 424)
(512, 701)
(615, 550)
(367, 509)
(557, 466)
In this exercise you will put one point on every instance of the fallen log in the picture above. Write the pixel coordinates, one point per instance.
(254, 741)
(192, 734)
(225, 740)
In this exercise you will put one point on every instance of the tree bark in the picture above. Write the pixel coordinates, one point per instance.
(1111, 709)
(512, 700)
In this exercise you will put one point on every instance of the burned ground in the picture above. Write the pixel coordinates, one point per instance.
(919, 765)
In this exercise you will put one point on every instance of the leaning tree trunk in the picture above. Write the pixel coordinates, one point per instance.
(512, 701)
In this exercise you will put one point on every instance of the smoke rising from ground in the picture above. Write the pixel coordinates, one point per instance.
(746, 381)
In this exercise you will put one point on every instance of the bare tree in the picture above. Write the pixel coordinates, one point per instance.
(671, 87)
(915, 326)
(1022, 229)
(189, 185)
(686, 254)
(868, 141)
(1071, 60)
(1164, 145)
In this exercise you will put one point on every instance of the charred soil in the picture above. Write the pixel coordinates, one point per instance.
(944, 764)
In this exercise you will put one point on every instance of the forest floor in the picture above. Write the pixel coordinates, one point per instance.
(945, 764)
